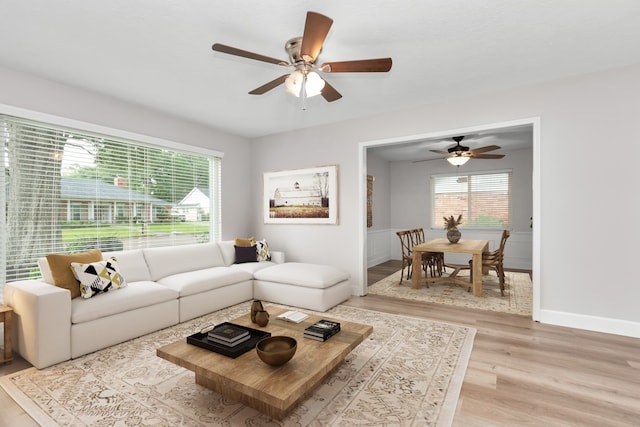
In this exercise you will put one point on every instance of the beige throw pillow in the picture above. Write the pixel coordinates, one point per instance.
(249, 241)
(60, 265)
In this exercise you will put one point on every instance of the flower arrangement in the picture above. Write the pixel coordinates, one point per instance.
(451, 223)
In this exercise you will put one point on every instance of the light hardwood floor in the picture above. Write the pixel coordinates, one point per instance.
(520, 373)
(525, 373)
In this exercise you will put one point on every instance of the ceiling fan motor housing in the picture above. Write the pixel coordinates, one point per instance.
(458, 148)
(293, 47)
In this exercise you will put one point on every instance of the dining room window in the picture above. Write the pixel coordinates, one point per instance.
(484, 199)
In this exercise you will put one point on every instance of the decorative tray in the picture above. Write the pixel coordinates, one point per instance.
(200, 339)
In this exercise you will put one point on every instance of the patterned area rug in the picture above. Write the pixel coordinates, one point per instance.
(408, 372)
(516, 300)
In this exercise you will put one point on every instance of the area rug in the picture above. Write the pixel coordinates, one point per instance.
(516, 299)
(408, 372)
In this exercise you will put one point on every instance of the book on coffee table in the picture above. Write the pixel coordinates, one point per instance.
(293, 316)
(322, 330)
(229, 344)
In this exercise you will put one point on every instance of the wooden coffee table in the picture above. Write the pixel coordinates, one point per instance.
(274, 391)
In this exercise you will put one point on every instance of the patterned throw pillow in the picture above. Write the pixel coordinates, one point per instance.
(98, 277)
(263, 250)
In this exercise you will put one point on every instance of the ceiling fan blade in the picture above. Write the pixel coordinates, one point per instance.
(378, 65)
(330, 93)
(485, 149)
(487, 156)
(246, 54)
(446, 153)
(316, 29)
(425, 160)
(268, 86)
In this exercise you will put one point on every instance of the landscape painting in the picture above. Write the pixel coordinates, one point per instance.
(301, 196)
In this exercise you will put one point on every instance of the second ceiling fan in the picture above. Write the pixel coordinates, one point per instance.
(460, 154)
(303, 53)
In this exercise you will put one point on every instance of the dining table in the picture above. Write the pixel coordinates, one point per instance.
(466, 246)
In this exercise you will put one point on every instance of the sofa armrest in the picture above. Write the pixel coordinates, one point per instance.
(42, 321)
(277, 257)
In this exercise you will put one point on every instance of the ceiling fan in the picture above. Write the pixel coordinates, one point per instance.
(303, 53)
(459, 154)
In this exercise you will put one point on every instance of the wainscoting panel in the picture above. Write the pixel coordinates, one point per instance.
(379, 246)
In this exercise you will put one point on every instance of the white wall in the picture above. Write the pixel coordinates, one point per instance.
(587, 223)
(27, 92)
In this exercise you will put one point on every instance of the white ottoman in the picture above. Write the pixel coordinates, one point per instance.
(312, 286)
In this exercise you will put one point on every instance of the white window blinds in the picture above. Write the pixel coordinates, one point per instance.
(484, 199)
(68, 190)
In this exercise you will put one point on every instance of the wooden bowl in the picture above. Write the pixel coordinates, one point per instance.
(276, 350)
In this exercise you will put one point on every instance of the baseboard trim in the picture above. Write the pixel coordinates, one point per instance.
(591, 323)
(375, 261)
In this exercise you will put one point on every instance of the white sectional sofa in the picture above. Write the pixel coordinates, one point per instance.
(165, 286)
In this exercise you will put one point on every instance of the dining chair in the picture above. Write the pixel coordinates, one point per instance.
(406, 243)
(433, 262)
(495, 261)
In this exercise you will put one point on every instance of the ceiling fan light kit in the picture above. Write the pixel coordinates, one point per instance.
(458, 160)
(308, 81)
(305, 81)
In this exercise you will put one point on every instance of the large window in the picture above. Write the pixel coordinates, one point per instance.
(67, 190)
(483, 199)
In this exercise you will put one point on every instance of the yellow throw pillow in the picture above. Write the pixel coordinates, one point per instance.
(62, 273)
(249, 241)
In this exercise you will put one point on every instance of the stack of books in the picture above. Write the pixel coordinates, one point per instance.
(322, 330)
(228, 335)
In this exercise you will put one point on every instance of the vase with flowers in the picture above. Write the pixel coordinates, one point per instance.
(451, 225)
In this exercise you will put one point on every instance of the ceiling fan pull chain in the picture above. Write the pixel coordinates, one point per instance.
(303, 92)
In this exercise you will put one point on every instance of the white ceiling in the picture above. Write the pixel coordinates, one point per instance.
(157, 53)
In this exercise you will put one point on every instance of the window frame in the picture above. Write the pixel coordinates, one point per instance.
(56, 122)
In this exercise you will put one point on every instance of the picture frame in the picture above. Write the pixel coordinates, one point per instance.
(301, 196)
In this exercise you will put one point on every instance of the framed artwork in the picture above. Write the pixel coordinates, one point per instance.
(301, 196)
(370, 179)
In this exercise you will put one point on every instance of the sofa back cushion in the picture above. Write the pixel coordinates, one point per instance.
(167, 261)
(45, 270)
(133, 265)
(228, 251)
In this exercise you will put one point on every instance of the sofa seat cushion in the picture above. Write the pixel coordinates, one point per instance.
(134, 296)
(302, 274)
(194, 282)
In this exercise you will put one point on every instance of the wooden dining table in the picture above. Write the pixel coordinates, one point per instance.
(473, 247)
